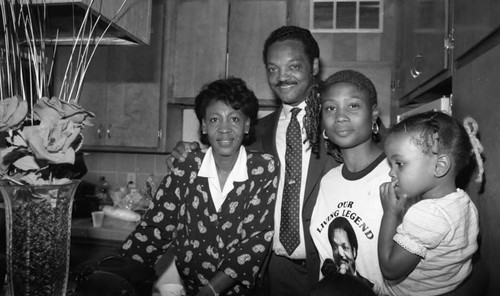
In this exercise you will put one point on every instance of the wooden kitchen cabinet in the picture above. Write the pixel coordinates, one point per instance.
(200, 42)
(216, 38)
(246, 42)
(473, 22)
(424, 56)
(122, 87)
(130, 19)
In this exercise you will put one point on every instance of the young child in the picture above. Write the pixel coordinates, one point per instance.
(430, 252)
(351, 191)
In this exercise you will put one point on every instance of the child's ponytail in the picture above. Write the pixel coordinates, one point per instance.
(472, 127)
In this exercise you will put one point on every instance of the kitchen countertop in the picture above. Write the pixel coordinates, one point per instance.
(112, 229)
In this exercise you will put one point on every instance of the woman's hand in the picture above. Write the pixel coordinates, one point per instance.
(218, 285)
(391, 202)
(180, 153)
(205, 291)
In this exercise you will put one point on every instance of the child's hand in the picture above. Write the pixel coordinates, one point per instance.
(391, 202)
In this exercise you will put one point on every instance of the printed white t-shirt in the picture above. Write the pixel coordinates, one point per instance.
(356, 197)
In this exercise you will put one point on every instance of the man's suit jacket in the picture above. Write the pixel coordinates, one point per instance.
(319, 165)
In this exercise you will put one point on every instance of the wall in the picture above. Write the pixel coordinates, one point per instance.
(373, 54)
(476, 85)
(115, 166)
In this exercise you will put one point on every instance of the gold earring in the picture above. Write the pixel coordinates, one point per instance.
(375, 128)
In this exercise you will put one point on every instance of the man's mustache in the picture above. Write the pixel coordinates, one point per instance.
(285, 83)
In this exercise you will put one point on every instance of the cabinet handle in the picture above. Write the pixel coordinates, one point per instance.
(413, 71)
(108, 131)
(160, 135)
(99, 131)
(394, 85)
(449, 40)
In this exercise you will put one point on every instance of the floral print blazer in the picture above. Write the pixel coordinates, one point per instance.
(234, 240)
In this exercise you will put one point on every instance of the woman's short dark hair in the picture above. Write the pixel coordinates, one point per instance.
(233, 92)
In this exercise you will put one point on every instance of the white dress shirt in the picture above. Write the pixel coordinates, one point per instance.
(209, 170)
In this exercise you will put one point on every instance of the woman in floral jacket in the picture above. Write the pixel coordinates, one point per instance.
(215, 210)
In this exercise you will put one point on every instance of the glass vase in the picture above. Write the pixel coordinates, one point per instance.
(38, 233)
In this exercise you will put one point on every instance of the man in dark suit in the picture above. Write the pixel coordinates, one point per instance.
(291, 56)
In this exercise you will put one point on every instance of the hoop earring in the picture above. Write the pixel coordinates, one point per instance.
(375, 128)
(324, 135)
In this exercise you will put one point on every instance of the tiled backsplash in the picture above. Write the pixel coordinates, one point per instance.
(115, 167)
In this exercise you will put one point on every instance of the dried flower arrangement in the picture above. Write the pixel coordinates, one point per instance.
(43, 130)
(42, 134)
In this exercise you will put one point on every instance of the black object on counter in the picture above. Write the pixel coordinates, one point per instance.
(85, 200)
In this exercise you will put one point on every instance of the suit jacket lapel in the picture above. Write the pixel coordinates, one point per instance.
(317, 165)
(269, 135)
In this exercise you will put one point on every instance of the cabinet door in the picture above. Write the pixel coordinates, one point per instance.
(134, 78)
(473, 21)
(424, 29)
(133, 115)
(200, 45)
(250, 23)
(122, 87)
(93, 96)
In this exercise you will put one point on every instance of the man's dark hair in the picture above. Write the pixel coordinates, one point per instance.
(233, 92)
(311, 47)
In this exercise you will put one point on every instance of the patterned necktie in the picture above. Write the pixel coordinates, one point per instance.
(290, 208)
